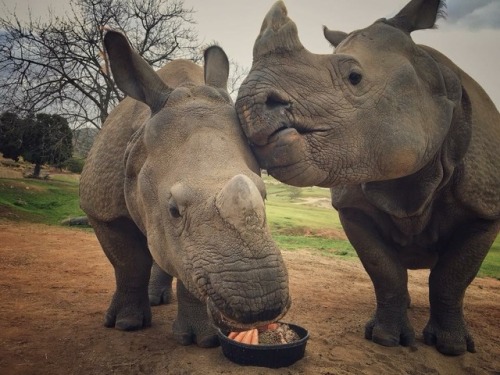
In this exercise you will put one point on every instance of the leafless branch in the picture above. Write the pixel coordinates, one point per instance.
(60, 66)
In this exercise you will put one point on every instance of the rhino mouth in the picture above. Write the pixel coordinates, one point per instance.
(290, 155)
(284, 127)
(285, 147)
(275, 133)
(278, 134)
(226, 323)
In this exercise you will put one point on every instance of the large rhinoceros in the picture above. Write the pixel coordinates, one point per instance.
(409, 145)
(171, 177)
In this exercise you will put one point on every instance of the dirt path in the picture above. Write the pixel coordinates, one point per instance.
(56, 283)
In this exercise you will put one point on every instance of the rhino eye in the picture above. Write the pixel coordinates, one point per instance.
(173, 210)
(355, 78)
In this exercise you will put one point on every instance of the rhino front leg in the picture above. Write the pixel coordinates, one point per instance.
(126, 248)
(160, 286)
(390, 325)
(193, 323)
(448, 281)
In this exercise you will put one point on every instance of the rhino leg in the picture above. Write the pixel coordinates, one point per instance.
(455, 270)
(390, 325)
(160, 286)
(193, 323)
(126, 248)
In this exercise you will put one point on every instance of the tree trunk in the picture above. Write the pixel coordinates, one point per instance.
(36, 171)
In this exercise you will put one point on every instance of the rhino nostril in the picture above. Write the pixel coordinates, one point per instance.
(274, 100)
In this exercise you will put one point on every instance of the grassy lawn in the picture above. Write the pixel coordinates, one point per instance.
(299, 218)
(40, 201)
(297, 222)
(491, 265)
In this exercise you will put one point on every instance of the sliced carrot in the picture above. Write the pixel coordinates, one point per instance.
(254, 340)
(250, 337)
(272, 326)
(269, 327)
(247, 338)
(240, 336)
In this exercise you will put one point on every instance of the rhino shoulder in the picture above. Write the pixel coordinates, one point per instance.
(478, 181)
(102, 180)
(478, 185)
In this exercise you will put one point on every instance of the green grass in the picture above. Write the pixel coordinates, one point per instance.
(295, 224)
(298, 218)
(325, 246)
(41, 201)
(491, 265)
(295, 210)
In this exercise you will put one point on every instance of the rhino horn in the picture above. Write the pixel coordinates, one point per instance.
(277, 32)
(240, 204)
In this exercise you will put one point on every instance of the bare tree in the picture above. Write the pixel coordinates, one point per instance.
(59, 65)
(236, 76)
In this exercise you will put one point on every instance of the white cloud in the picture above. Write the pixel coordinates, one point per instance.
(477, 14)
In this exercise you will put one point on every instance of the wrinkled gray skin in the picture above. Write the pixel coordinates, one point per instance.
(177, 183)
(407, 142)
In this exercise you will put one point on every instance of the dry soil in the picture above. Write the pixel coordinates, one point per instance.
(56, 284)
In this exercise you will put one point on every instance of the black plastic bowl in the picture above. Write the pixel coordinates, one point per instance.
(273, 356)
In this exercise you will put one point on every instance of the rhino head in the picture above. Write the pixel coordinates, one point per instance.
(193, 187)
(378, 108)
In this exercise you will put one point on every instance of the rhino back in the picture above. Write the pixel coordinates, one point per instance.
(478, 186)
(102, 180)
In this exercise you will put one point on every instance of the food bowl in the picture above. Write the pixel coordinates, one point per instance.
(273, 356)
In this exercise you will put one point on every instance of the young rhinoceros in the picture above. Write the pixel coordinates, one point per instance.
(171, 177)
(409, 145)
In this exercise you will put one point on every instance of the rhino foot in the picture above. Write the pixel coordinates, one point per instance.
(160, 297)
(454, 342)
(187, 334)
(193, 324)
(160, 286)
(128, 313)
(160, 294)
(393, 334)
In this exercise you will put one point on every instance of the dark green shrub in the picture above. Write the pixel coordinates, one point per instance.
(74, 165)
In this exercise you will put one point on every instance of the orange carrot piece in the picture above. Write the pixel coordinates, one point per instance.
(268, 327)
(247, 338)
(272, 326)
(254, 340)
(239, 336)
(232, 335)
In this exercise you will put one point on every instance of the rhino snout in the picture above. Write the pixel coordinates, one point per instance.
(250, 287)
(224, 322)
(263, 114)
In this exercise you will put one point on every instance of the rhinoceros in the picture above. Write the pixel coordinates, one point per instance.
(171, 178)
(409, 145)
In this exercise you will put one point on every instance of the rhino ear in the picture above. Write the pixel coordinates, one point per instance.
(334, 37)
(418, 15)
(216, 67)
(132, 74)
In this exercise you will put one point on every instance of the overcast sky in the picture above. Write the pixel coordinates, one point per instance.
(470, 35)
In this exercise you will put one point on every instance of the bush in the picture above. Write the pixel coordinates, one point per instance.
(294, 192)
(74, 165)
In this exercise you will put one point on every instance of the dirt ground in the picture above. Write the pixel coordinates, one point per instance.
(56, 284)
